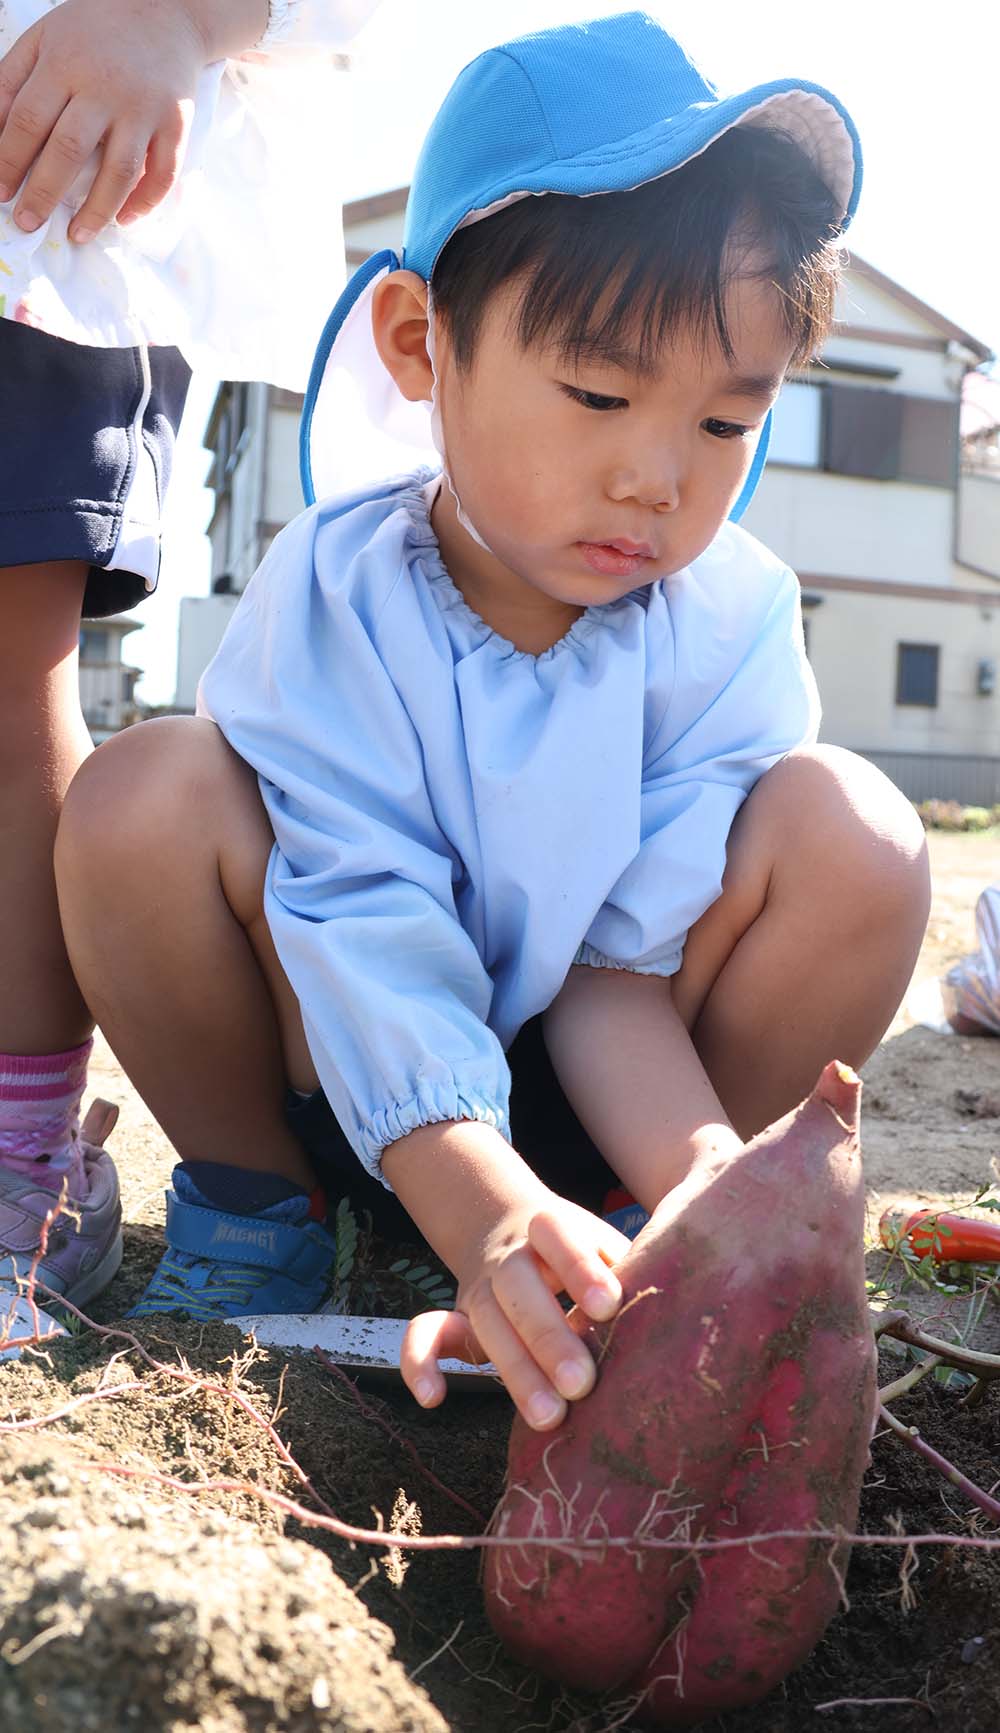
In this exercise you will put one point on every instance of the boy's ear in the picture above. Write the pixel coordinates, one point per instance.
(399, 326)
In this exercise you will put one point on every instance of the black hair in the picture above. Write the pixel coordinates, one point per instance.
(628, 268)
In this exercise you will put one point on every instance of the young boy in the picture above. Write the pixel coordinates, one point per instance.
(504, 720)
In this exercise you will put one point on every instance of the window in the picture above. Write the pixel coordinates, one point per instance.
(917, 674)
(796, 431)
(889, 436)
(863, 431)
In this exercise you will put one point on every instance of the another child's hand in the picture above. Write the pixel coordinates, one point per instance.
(507, 1311)
(108, 74)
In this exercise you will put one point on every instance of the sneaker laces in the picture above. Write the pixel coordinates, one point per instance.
(203, 1289)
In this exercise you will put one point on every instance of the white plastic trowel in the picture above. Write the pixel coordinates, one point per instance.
(369, 1347)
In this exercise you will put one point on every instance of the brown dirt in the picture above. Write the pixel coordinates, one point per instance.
(125, 1603)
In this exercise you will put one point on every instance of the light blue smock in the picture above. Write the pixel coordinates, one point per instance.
(457, 822)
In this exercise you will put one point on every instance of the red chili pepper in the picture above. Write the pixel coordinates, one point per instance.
(949, 1239)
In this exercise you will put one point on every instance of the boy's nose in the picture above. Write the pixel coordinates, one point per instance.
(658, 489)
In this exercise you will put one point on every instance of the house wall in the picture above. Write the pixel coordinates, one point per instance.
(851, 527)
(853, 640)
(979, 522)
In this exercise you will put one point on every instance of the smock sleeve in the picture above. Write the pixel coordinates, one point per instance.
(359, 893)
(742, 696)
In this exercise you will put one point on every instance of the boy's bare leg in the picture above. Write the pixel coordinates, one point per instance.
(43, 740)
(808, 952)
(161, 859)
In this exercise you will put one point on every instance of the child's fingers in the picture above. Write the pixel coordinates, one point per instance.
(122, 162)
(31, 117)
(532, 1392)
(72, 141)
(16, 68)
(163, 165)
(430, 1337)
(581, 1265)
(541, 1327)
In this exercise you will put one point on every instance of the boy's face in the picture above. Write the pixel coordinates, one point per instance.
(589, 480)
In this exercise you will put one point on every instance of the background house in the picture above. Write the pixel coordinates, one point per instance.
(896, 546)
(107, 683)
(894, 535)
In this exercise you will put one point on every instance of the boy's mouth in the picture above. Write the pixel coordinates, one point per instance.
(618, 559)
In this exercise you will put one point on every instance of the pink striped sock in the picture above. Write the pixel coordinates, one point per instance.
(40, 1114)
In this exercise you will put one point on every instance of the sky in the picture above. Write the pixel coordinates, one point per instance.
(919, 82)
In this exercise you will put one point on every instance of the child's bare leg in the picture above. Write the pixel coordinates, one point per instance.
(807, 953)
(43, 740)
(161, 859)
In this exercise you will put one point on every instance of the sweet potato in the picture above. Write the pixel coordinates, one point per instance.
(735, 1395)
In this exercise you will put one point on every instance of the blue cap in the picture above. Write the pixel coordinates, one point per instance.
(599, 107)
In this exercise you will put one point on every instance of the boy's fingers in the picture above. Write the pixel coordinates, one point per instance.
(530, 1390)
(540, 1324)
(16, 68)
(163, 165)
(581, 1266)
(122, 162)
(32, 115)
(430, 1337)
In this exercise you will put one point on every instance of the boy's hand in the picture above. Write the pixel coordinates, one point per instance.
(116, 74)
(507, 1311)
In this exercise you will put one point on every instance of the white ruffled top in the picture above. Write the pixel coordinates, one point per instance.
(457, 822)
(238, 266)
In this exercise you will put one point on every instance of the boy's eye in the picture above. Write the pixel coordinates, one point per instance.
(725, 429)
(594, 399)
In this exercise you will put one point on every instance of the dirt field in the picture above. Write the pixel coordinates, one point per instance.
(127, 1603)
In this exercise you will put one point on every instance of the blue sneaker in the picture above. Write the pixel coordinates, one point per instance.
(624, 1213)
(221, 1265)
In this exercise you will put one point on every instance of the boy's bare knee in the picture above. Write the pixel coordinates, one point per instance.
(150, 789)
(837, 815)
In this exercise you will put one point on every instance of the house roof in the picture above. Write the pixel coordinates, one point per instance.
(121, 623)
(947, 327)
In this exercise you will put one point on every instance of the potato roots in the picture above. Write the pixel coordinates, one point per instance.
(735, 1397)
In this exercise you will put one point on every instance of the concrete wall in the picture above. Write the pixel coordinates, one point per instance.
(282, 492)
(203, 619)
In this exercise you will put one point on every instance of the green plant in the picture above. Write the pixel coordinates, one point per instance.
(360, 1287)
(427, 1282)
(978, 817)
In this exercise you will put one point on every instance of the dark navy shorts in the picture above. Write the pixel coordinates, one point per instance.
(86, 441)
(544, 1130)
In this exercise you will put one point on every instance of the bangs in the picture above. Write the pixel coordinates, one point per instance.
(624, 272)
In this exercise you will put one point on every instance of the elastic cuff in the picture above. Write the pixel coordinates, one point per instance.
(402, 1117)
(594, 959)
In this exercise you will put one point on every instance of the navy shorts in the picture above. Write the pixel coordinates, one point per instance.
(544, 1130)
(86, 441)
